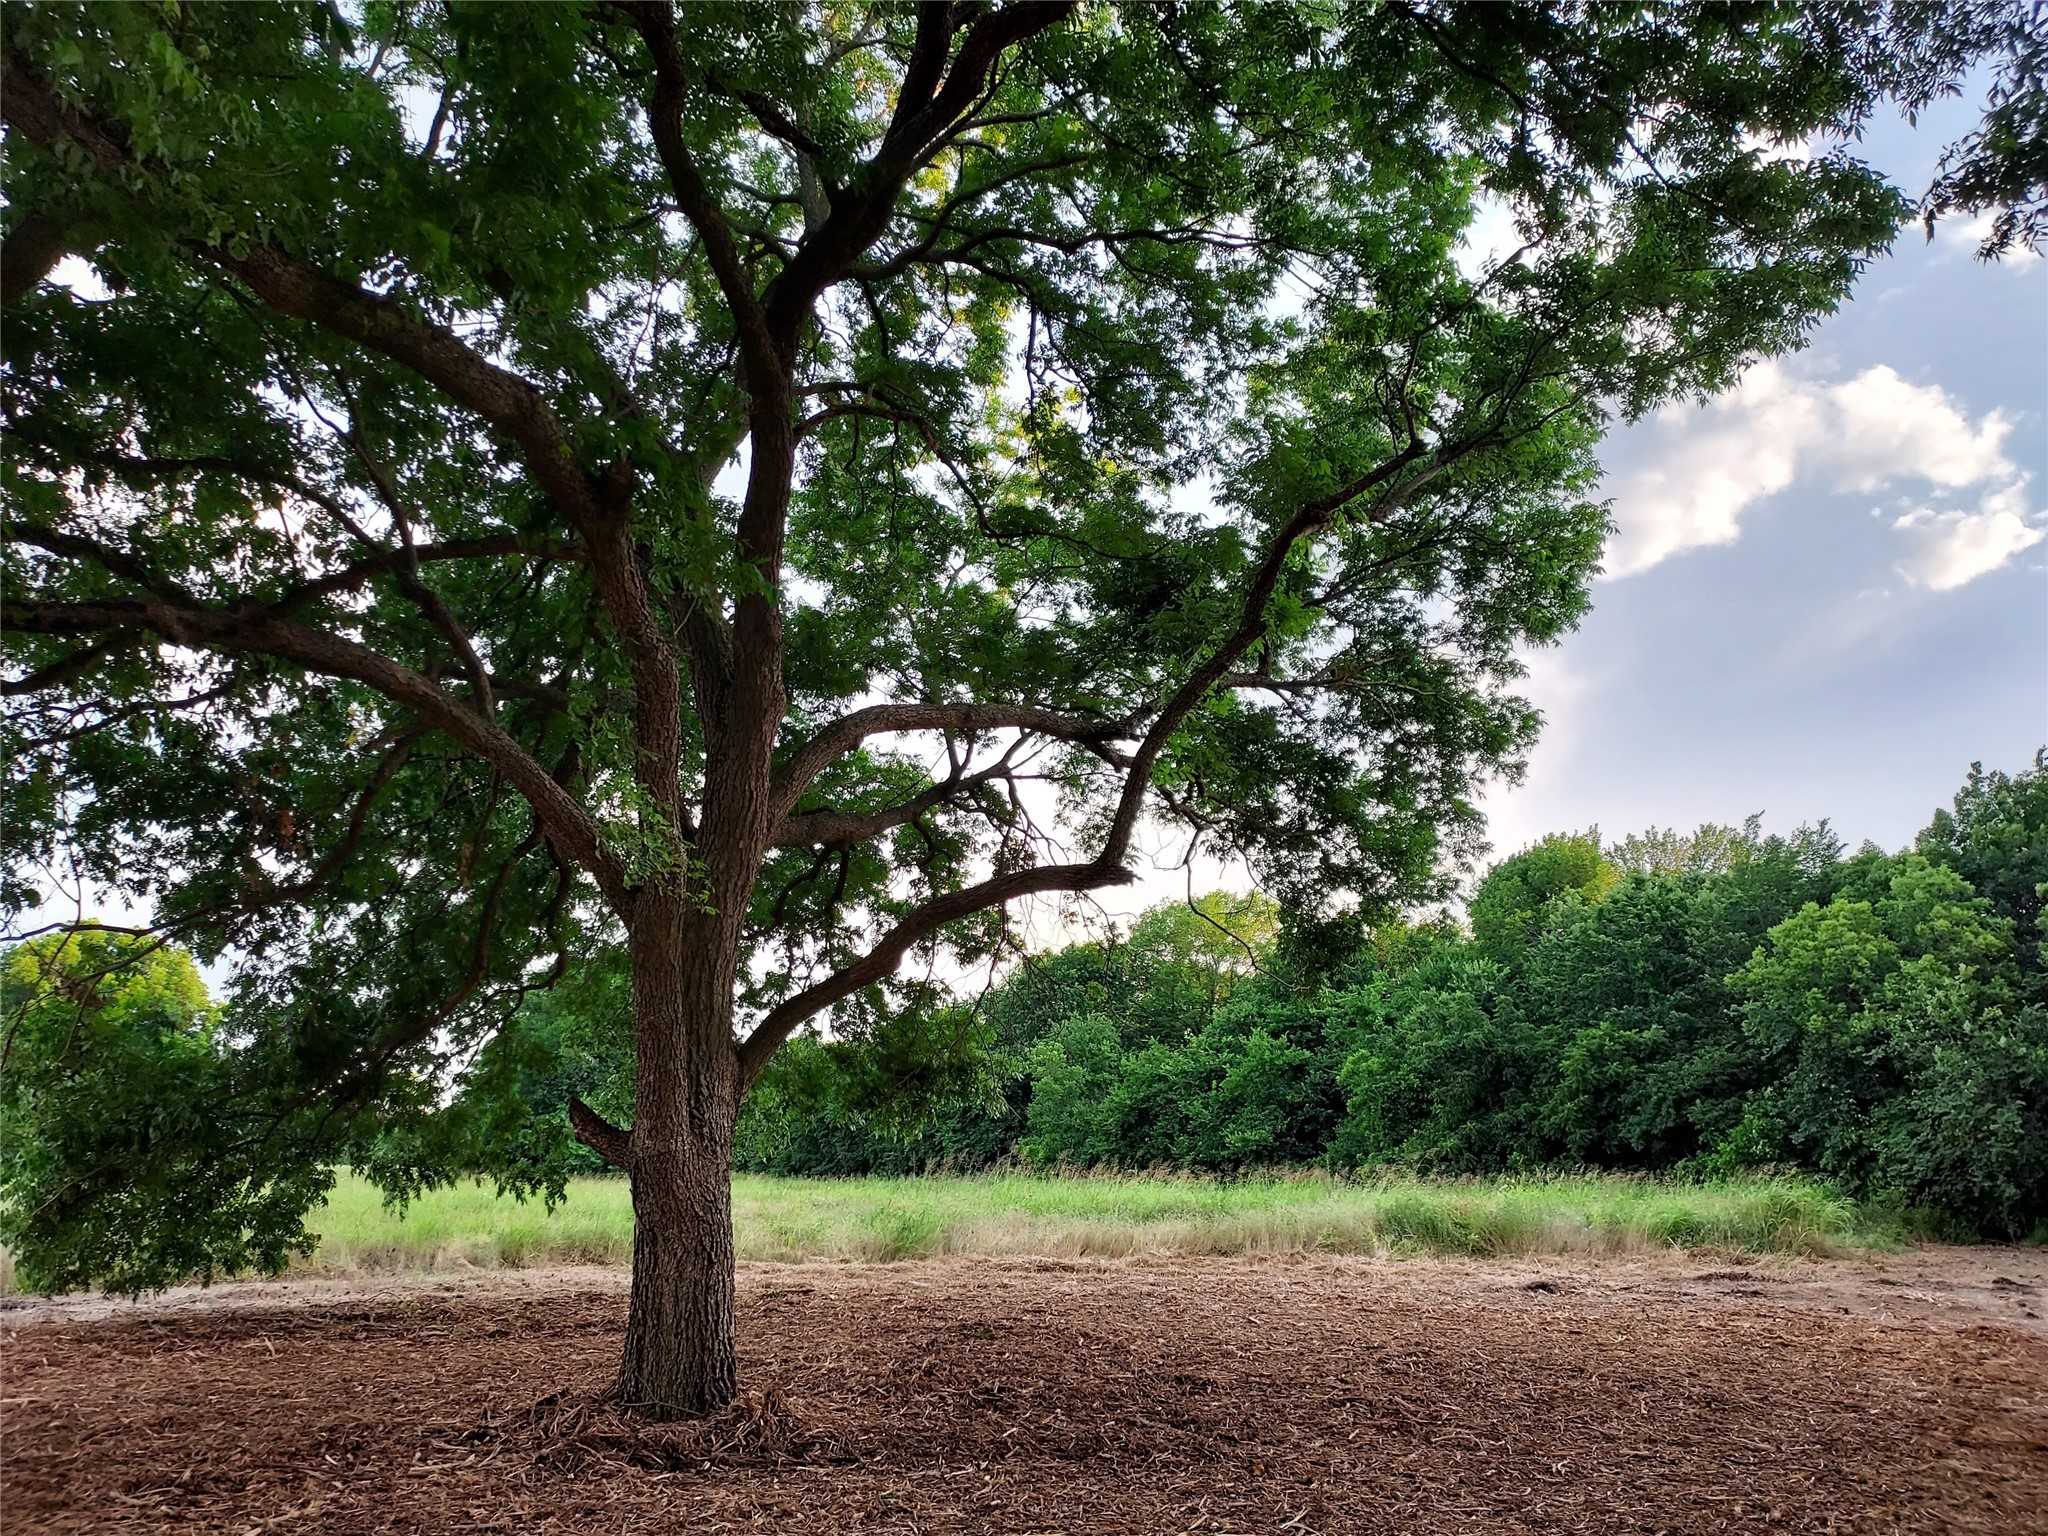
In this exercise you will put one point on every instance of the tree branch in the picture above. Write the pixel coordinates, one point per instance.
(356, 572)
(835, 829)
(407, 572)
(1107, 867)
(839, 737)
(69, 667)
(612, 1143)
(656, 23)
(880, 962)
(568, 827)
(32, 249)
(509, 403)
(926, 109)
(1252, 623)
(120, 562)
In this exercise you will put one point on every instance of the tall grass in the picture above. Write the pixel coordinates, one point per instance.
(1113, 1216)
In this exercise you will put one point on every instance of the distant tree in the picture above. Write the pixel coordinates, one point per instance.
(1265, 1104)
(1653, 1067)
(1073, 1072)
(1626, 1033)
(528, 481)
(1774, 879)
(1511, 904)
(1395, 948)
(1903, 1061)
(1651, 1064)
(1221, 937)
(1441, 1075)
(1996, 838)
(1709, 849)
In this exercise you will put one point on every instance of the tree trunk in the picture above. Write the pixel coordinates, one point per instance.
(679, 1359)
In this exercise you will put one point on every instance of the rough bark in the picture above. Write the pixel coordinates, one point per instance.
(679, 1358)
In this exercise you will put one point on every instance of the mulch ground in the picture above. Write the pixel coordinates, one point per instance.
(1213, 1396)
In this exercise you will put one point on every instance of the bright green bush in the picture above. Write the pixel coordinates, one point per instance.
(1445, 1075)
(1902, 1061)
(1512, 904)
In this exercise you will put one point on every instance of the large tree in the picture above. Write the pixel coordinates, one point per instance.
(767, 485)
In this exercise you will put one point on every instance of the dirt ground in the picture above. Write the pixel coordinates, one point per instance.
(1902, 1393)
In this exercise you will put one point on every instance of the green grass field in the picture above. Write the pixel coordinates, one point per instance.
(1111, 1216)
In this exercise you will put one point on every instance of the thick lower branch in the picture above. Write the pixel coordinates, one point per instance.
(32, 249)
(612, 1143)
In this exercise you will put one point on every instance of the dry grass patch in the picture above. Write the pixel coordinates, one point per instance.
(1108, 1216)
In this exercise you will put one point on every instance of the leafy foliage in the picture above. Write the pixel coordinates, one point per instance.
(112, 1053)
(1513, 902)
(1996, 838)
(1901, 1059)
(1738, 1000)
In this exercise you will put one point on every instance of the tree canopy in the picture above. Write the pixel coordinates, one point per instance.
(1510, 905)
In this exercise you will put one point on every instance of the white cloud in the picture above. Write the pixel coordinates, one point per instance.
(1876, 428)
(1961, 237)
(1703, 467)
(1952, 547)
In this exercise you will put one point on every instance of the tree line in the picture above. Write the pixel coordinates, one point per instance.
(1700, 1003)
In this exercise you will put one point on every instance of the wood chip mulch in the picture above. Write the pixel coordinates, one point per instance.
(1210, 1396)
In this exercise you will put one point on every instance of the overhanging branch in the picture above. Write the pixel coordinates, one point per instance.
(567, 826)
(507, 402)
(611, 1142)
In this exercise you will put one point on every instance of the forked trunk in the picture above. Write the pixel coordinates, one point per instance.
(679, 1358)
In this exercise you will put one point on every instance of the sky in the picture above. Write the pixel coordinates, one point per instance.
(1827, 591)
